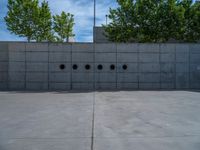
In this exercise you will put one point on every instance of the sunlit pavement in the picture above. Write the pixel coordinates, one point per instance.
(117, 120)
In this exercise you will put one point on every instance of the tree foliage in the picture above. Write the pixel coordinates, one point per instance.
(154, 21)
(22, 17)
(26, 18)
(44, 24)
(63, 26)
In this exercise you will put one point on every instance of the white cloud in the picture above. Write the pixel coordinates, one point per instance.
(83, 13)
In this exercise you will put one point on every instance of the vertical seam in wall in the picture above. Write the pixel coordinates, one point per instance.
(116, 64)
(175, 69)
(8, 67)
(94, 67)
(48, 68)
(71, 66)
(160, 64)
(189, 86)
(25, 65)
(138, 66)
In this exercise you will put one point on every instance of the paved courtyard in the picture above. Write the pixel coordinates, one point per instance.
(121, 120)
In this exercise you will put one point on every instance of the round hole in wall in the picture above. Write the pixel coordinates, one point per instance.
(125, 67)
(87, 67)
(112, 67)
(100, 67)
(75, 67)
(62, 67)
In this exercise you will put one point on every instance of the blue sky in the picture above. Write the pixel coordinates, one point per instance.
(82, 9)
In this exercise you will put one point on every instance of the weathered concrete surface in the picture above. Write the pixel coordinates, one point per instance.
(120, 120)
(45, 121)
(38, 66)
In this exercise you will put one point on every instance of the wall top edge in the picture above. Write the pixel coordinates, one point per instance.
(24, 42)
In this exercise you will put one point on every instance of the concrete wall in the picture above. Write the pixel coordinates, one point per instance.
(99, 35)
(4, 66)
(87, 66)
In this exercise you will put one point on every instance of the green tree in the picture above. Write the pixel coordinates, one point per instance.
(192, 20)
(147, 20)
(44, 24)
(22, 17)
(171, 20)
(120, 28)
(63, 26)
(26, 18)
(154, 21)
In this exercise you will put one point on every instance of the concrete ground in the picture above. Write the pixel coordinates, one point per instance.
(126, 120)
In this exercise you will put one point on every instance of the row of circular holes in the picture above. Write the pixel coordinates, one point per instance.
(87, 67)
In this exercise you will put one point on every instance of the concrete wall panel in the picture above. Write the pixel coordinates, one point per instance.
(195, 67)
(182, 67)
(195, 77)
(82, 47)
(167, 67)
(127, 86)
(37, 47)
(105, 86)
(167, 48)
(17, 47)
(105, 48)
(3, 77)
(59, 47)
(148, 48)
(4, 60)
(167, 57)
(127, 57)
(36, 67)
(105, 57)
(182, 57)
(82, 77)
(182, 80)
(59, 57)
(3, 56)
(37, 86)
(83, 86)
(17, 66)
(167, 86)
(195, 58)
(127, 77)
(125, 47)
(13, 85)
(16, 56)
(147, 86)
(82, 57)
(59, 86)
(195, 48)
(105, 77)
(149, 57)
(149, 67)
(16, 76)
(3, 67)
(37, 77)
(149, 77)
(182, 48)
(3, 85)
(60, 77)
(37, 57)
(167, 77)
